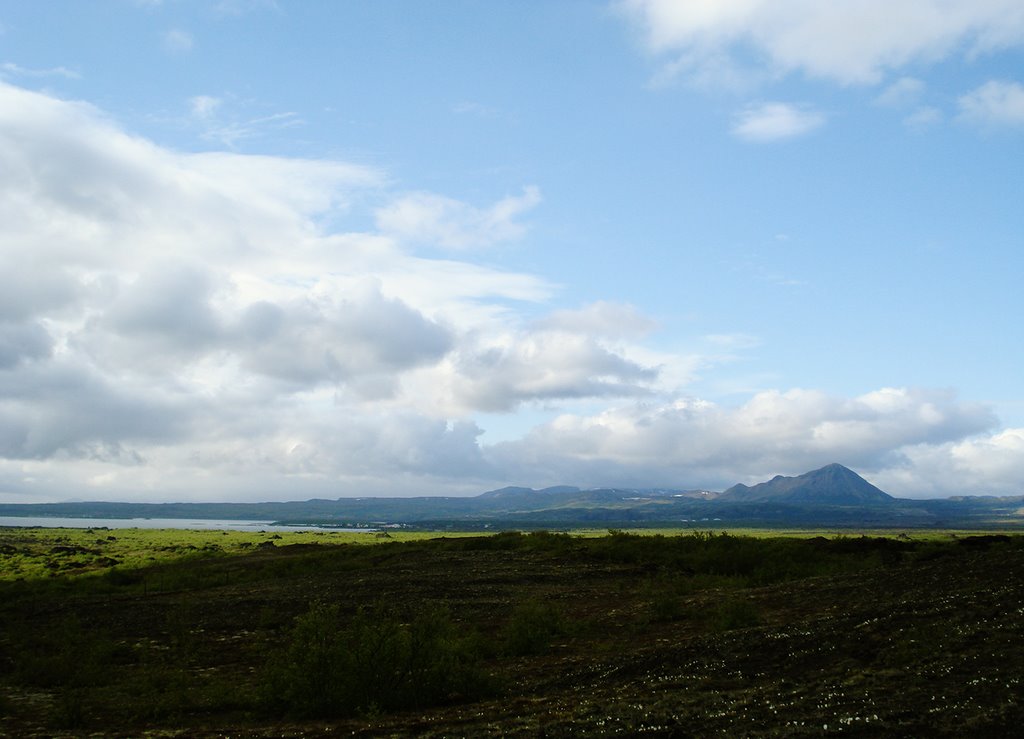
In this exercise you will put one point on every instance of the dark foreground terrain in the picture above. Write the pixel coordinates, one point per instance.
(536, 635)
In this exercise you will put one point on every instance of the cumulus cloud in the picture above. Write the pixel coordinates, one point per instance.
(170, 301)
(691, 441)
(995, 103)
(850, 41)
(499, 373)
(23, 342)
(427, 218)
(30, 286)
(352, 336)
(775, 121)
(991, 464)
(63, 409)
(188, 317)
(184, 325)
(127, 260)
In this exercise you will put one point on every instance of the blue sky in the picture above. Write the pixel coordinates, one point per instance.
(269, 250)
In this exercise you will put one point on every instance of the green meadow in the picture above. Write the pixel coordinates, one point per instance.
(33, 553)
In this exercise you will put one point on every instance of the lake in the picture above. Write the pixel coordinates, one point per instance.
(201, 524)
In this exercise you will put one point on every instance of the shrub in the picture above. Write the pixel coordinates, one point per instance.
(377, 663)
(69, 660)
(735, 614)
(68, 655)
(531, 627)
(122, 577)
(305, 676)
(666, 606)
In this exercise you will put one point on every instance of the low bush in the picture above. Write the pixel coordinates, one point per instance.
(733, 614)
(375, 663)
(666, 606)
(531, 627)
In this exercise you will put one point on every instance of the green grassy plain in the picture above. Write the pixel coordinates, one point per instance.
(38, 552)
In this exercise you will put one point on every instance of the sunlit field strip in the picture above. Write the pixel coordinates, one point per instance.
(33, 553)
(30, 553)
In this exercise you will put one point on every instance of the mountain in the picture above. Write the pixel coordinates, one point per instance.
(526, 494)
(830, 496)
(833, 484)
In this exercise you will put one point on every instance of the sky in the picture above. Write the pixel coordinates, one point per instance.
(269, 250)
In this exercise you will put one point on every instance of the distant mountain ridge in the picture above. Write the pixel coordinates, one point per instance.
(832, 484)
(830, 496)
(513, 492)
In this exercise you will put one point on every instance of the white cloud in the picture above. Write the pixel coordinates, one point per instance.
(923, 117)
(850, 41)
(50, 408)
(996, 103)
(177, 41)
(991, 464)
(230, 133)
(227, 121)
(694, 442)
(613, 320)
(334, 340)
(170, 318)
(733, 342)
(182, 325)
(15, 69)
(204, 106)
(427, 218)
(498, 373)
(775, 121)
(901, 93)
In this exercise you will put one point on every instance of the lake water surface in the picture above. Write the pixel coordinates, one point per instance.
(202, 524)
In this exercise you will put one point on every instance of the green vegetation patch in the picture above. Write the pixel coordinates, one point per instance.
(376, 661)
(33, 553)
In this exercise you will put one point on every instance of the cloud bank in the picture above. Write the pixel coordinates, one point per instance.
(185, 326)
(740, 45)
(847, 41)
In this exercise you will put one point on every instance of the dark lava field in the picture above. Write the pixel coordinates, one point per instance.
(531, 635)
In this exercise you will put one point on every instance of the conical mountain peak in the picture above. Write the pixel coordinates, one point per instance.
(832, 484)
